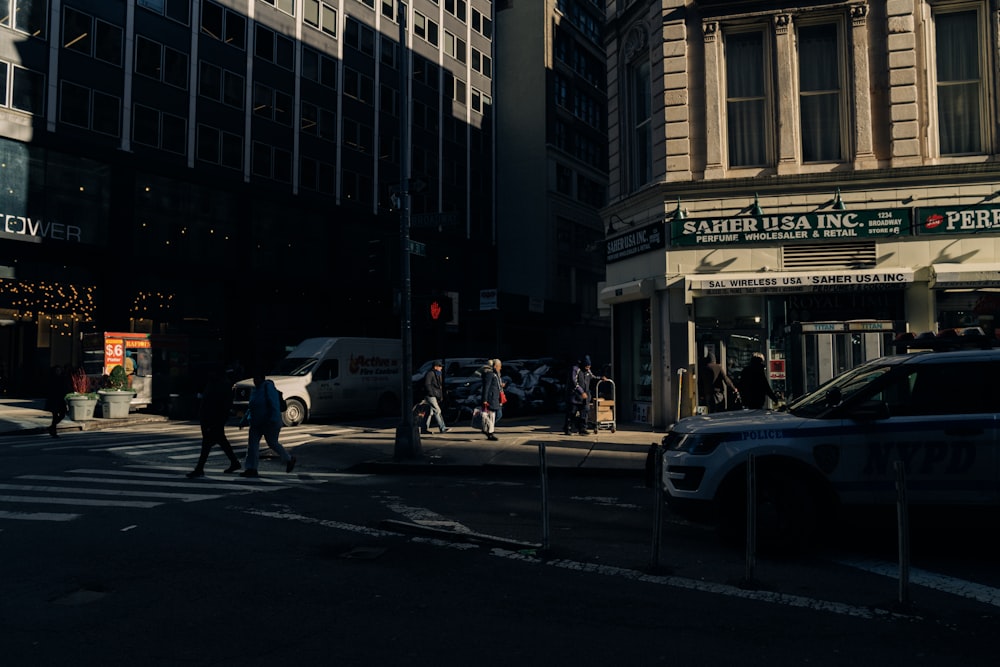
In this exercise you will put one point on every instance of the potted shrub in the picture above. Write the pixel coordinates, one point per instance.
(116, 396)
(81, 401)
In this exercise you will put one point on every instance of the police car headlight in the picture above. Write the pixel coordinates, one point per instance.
(692, 443)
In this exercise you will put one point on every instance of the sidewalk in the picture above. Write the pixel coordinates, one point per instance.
(461, 450)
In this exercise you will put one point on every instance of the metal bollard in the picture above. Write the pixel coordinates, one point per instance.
(543, 471)
(903, 532)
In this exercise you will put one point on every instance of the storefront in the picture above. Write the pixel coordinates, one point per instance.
(815, 293)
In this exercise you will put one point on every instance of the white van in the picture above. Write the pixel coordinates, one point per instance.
(335, 377)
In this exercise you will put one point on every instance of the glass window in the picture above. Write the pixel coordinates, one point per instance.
(145, 126)
(235, 30)
(263, 100)
(745, 99)
(210, 81)
(232, 151)
(74, 104)
(28, 91)
(30, 17)
(175, 68)
(108, 43)
(147, 57)
(178, 10)
(174, 134)
(819, 92)
(640, 137)
(958, 45)
(77, 31)
(208, 144)
(233, 89)
(320, 15)
(107, 111)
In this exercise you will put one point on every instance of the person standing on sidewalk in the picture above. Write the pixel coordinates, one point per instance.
(434, 385)
(491, 400)
(55, 398)
(264, 417)
(216, 404)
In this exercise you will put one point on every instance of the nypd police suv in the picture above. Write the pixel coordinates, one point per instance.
(935, 413)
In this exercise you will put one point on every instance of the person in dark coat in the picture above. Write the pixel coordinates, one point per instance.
(433, 384)
(712, 383)
(490, 397)
(754, 385)
(55, 397)
(216, 404)
(578, 403)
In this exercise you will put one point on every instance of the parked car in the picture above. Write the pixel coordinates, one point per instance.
(933, 414)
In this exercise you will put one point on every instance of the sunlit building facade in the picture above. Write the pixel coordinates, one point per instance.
(806, 180)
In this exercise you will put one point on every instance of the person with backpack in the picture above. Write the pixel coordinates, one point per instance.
(264, 417)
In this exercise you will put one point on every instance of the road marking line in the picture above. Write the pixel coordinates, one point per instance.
(39, 516)
(185, 497)
(939, 582)
(235, 486)
(635, 575)
(78, 501)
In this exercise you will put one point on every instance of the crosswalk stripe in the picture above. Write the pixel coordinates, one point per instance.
(184, 497)
(110, 479)
(45, 500)
(39, 516)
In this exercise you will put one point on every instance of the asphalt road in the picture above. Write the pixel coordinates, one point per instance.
(328, 568)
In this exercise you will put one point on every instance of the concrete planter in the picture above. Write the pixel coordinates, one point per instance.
(81, 408)
(115, 404)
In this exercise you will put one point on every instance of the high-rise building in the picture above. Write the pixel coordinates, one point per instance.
(551, 174)
(805, 180)
(227, 172)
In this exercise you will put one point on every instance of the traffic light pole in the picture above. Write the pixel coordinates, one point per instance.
(407, 444)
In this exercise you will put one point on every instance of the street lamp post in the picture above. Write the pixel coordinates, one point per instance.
(407, 444)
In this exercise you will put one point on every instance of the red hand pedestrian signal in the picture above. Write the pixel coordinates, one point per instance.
(435, 310)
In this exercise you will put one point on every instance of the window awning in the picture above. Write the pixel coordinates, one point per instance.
(630, 291)
(798, 282)
(964, 276)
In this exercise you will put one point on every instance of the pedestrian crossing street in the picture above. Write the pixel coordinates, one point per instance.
(153, 474)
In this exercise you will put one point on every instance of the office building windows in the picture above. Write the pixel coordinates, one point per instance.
(456, 7)
(158, 129)
(91, 37)
(480, 101)
(224, 24)
(482, 24)
(482, 63)
(425, 29)
(319, 68)
(320, 15)
(454, 46)
(287, 6)
(318, 122)
(359, 36)
(746, 99)
(161, 62)
(27, 90)
(221, 85)
(960, 63)
(27, 16)
(178, 10)
(272, 104)
(318, 176)
(359, 86)
(219, 147)
(89, 109)
(271, 162)
(272, 47)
